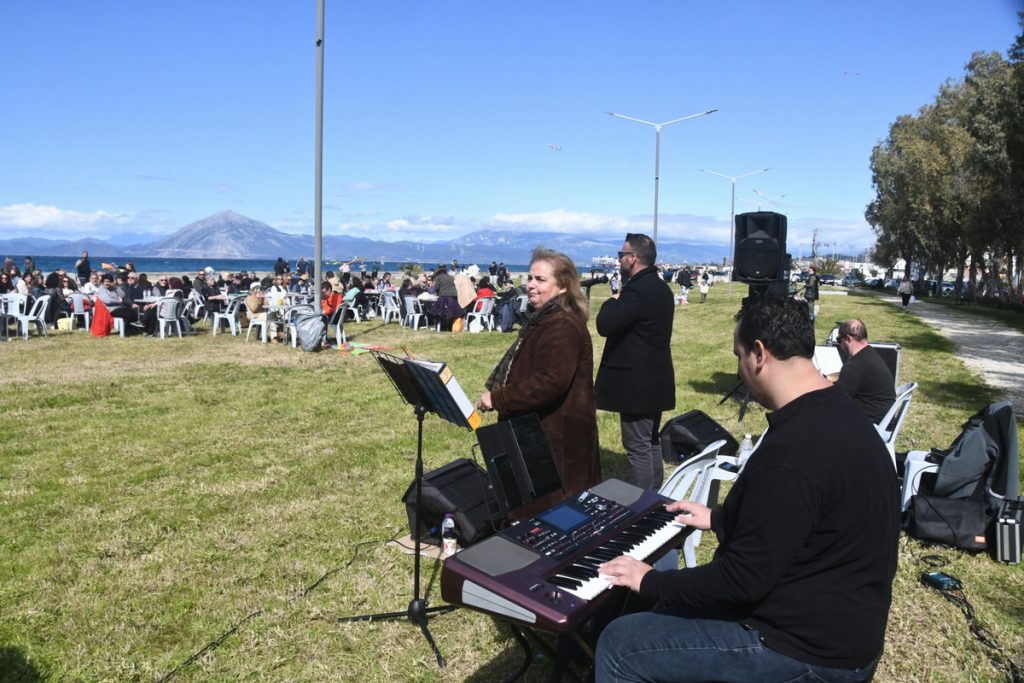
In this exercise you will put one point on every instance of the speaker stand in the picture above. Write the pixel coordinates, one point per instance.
(744, 396)
(417, 611)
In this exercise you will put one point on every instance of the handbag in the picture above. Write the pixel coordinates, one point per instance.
(956, 522)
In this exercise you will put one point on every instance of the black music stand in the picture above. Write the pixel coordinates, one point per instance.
(426, 390)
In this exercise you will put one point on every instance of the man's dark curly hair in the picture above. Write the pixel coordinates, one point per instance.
(782, 324)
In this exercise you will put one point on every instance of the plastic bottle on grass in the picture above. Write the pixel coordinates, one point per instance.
(746, 448)
(449, 536)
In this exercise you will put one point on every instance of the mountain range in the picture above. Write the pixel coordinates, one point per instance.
(228, 235)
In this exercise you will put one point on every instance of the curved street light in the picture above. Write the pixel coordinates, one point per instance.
(732, 210)
(657, 152)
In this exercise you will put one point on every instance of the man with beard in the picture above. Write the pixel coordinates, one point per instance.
(636, 378)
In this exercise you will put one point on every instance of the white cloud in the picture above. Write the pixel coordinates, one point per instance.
(560, 220)
(34, 216)
(51, 222)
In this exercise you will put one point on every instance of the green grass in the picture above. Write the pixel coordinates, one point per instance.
(153, 494)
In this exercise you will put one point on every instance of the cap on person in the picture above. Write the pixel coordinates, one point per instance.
(254, 285)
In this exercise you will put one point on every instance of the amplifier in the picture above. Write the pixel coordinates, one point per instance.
(462, 488)
(1008, 524)
(688, 434)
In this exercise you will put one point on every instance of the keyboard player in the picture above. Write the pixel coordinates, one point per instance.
(801, 583)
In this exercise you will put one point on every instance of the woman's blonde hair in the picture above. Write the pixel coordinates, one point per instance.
(572, 299)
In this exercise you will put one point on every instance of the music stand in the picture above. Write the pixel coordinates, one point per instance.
(428, 387)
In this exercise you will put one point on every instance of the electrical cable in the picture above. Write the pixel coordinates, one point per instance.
(216, 642)
(978, 629)
(931, 560)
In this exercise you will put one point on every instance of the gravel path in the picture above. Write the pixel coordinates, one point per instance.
(988, 347)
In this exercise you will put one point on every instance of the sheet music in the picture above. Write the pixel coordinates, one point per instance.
(827, 360)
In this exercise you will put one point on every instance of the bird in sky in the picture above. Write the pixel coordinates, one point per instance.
(555, 148)
(850, 73)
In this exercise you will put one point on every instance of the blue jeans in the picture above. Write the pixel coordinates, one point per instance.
(661, 646)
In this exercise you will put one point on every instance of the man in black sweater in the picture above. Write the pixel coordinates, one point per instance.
(865, 376)
(801, 583)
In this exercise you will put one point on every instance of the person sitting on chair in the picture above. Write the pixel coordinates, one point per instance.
(330, 301)
(801, 582)
(865, 376)
(116, 305)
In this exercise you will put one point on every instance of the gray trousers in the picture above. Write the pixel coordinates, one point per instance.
(643, 449)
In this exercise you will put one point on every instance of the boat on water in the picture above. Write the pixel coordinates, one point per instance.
(604, 262)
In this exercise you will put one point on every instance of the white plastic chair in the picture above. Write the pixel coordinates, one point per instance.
(228, 315)
(389, 309)
(338, 321)
(78, 310)
(36, 315)
(14, 303)
(483, 311)
(261, 323)
(169, 310)
(118, 325)
(414, 313)
(691, 480)
(889, 426)
(914, 468)
(195, 306)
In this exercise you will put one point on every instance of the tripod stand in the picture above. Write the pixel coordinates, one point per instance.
(744, 394)
(417, 611)
(428, 387)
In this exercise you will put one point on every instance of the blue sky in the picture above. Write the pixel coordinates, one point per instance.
(446, 117)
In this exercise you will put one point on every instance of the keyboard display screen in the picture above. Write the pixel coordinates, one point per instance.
(564, 517)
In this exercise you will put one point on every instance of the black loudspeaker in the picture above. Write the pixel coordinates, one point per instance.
(690, 433)
(760, 254)
(460, 487)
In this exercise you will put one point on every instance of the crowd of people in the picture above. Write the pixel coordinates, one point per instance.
(448, 296)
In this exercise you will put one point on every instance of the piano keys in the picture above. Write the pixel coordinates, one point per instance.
(543, 572)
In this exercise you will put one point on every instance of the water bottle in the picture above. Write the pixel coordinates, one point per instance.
(449, 536)
(746, 448)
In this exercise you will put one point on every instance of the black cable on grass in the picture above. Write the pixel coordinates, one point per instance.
(978, 629)
(931, 560)
(216, 642)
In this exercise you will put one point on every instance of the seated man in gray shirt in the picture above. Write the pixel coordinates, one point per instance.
(865, 376)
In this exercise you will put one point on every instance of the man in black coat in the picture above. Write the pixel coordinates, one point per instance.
(636, 378)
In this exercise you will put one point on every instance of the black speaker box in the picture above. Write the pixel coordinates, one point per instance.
(460, 487)
(690, 433)
(760, 250)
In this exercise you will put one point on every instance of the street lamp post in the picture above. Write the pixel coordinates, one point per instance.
(657, 152)
(732, 210)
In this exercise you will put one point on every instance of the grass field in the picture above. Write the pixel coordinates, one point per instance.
(158, 497)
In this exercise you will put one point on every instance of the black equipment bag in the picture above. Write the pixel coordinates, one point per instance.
(462, 488)
(690, 433)
(956, 522)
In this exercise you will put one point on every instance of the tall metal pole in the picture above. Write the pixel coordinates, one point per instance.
(732, 210)
(657, 163)
(657, 152)
(318, 183)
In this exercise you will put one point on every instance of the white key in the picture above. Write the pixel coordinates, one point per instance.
(595, 586)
